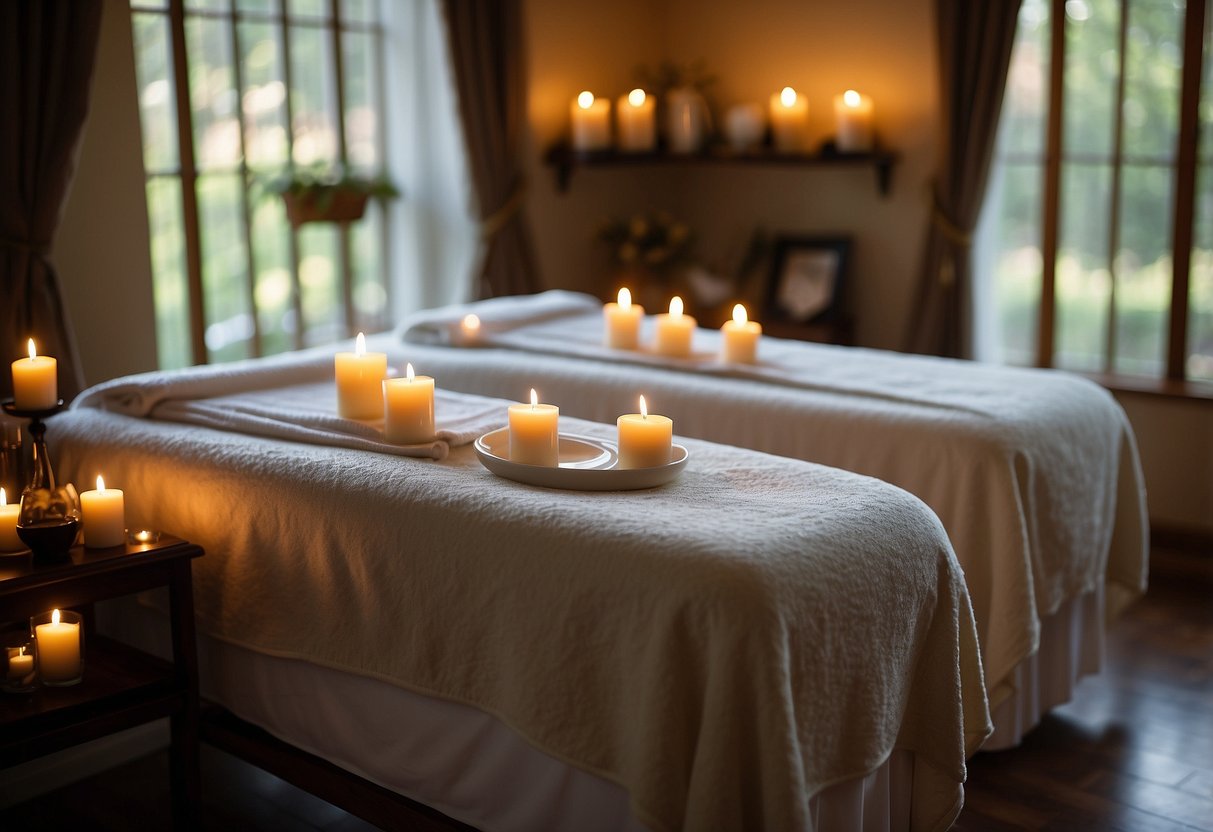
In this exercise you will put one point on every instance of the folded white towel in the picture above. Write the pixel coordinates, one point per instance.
(497, 315)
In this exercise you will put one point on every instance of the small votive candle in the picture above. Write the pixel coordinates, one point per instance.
(636, 122)
(103, 516)
(622, 321)
(534, 433)
(60, 650)
(739, 338)
(9, 541)
(17, 660)
(408, 417)
(790, 121)
(854, 122)
(469, 329)
(675, 331)
(35, 381)
(360, 377)
(591, 118)
(645, 441)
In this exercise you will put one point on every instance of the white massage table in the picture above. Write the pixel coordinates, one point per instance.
(1034, 473)
(764, 643)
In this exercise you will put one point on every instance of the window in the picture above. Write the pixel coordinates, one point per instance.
(233, 93)
(1104, 130)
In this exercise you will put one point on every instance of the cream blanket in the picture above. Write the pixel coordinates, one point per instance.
(1035, 474)
(724, 647)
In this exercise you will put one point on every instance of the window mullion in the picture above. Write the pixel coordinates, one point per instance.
(1114, 206)
(293, 236)
(343, 229)
(1052, 196)
(246, 211)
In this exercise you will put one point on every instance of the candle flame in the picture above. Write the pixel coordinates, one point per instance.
(3, 498)
(55, 617)
(644, 409)
(675, 307)
(636, 97)
(408, 371)
(471, 322)
(100, 483)
(33, 352)
(534, 398)
(851, 98)
(360, 344)
(585, 100)
(787, 96)
(739, 316)
(625, 298)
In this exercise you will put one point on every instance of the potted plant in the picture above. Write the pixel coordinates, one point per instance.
(328, 194)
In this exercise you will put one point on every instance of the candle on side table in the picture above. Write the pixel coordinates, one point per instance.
(591, 118)
(853, 122)
(534, 433)
(408, 402)
(635, 114)
(360, 377)
(675, 331)
(739, 338)
(645, 441)
(59, 653)
(35, 381)
(9, 541)
(622, 321)
(103, 516)
(790, 121)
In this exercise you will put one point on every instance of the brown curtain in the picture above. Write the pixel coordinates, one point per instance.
(975, 40)
(47, 49)
(485, 39)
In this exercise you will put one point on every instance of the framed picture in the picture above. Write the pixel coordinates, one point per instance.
(807, 277)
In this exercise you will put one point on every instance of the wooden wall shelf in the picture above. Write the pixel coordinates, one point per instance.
(564, 161)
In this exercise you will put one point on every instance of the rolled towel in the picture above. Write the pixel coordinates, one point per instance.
(497, 315)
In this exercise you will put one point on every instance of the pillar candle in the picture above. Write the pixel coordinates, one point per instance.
(408, 417)
(469, 329)
(20, 664)
(739, 338)
(58, 650)
(35, 381)
(591, 119)
(636, 122)
(103, 516)
(9, 542)
(854, 122)
(622, 321)
(534, 433)
(674, 331)
(645, 441)
(790, 121)
(360, 377)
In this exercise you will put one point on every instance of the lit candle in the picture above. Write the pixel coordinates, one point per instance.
(591, 122)
(790, 121)
(408, 402)
(103, 516)
(853, 120)
(636, 122)
(58, 650)
(534, 433)
(9, 542)
(740, 338)
(674, 331)
(19, 664)
(623, 322)
(469, 329)
(360, 377)
(35, 381)
(644, 441)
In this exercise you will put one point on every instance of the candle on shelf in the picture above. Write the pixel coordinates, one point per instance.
(591, 119)
(645, 441)
(674, 331)
(790, 121)
(739, 344)
(469, 329)
(636, 122)
(103, 516)
(854, 122)
(9, 542)
(20, 665)
(534, 433)
(623, 322)
(59, 648)
(360, 377)
(408, 402)
(35, 381)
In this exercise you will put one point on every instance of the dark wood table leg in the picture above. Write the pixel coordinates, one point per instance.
(186, 781)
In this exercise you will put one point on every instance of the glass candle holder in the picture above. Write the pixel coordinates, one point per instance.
(60, 637)
(18, 661)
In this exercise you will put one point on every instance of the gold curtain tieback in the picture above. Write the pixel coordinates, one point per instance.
(951, 230)
(493, 223)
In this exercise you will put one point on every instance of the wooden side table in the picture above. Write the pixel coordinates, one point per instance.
(122, 687)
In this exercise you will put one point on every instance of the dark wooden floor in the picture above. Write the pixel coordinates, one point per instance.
(1132, 752)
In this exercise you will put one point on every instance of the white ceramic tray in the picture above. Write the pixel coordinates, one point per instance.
(586, 464)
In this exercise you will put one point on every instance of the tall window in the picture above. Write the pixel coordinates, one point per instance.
(234, 94)
(1105, 127)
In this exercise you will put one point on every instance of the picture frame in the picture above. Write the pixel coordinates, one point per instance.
(808, 275)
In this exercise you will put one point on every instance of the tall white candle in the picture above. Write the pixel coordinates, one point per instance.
(739, 338)
(9, 541)
(103, 516)
(853, 119)
(58, 650)
(790, 121)
(408, 403)
(35, 381)
(675, 331)
(534, 433)
(636, 122)
(622, 322)
(645, 440)
(360, 377)
(591, 119)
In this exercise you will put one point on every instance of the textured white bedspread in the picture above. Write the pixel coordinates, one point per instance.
(724, 646)
(1035, 474)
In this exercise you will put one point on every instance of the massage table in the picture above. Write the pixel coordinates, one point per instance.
(762, 643)
(1034, 473)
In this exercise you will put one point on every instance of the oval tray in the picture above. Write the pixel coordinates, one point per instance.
(586, 464)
